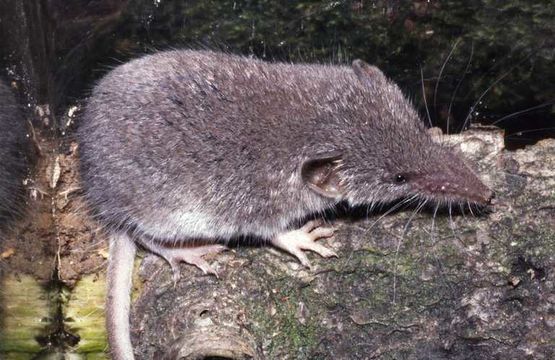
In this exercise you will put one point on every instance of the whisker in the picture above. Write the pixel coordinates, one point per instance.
(459, 85)
(461, 207)
(397, 249)
(414, 213)
(470, 208)
(485, 92)
(389, 211)
(451, 222)
(424, 96)
(393, 208)
(443, 68)
(433, 222)
(551, 102)
(432, 228)
(502, 63)
(442, 272)
(530, 131)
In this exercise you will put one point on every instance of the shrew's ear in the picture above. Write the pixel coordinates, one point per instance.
(368, 74)
(320, 174)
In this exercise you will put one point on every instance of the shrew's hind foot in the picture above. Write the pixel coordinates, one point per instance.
(294, 242)
(189, 255)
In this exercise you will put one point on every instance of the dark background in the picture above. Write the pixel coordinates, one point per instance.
(478, 61)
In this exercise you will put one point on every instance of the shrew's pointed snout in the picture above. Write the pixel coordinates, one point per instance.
(451, 180)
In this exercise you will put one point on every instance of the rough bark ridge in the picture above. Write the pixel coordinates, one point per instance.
(461, 288)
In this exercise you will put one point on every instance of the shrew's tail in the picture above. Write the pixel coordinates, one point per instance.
(120, 273)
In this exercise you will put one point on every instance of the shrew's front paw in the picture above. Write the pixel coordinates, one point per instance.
(294, 242)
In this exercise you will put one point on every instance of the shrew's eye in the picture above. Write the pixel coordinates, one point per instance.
(400, 179)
